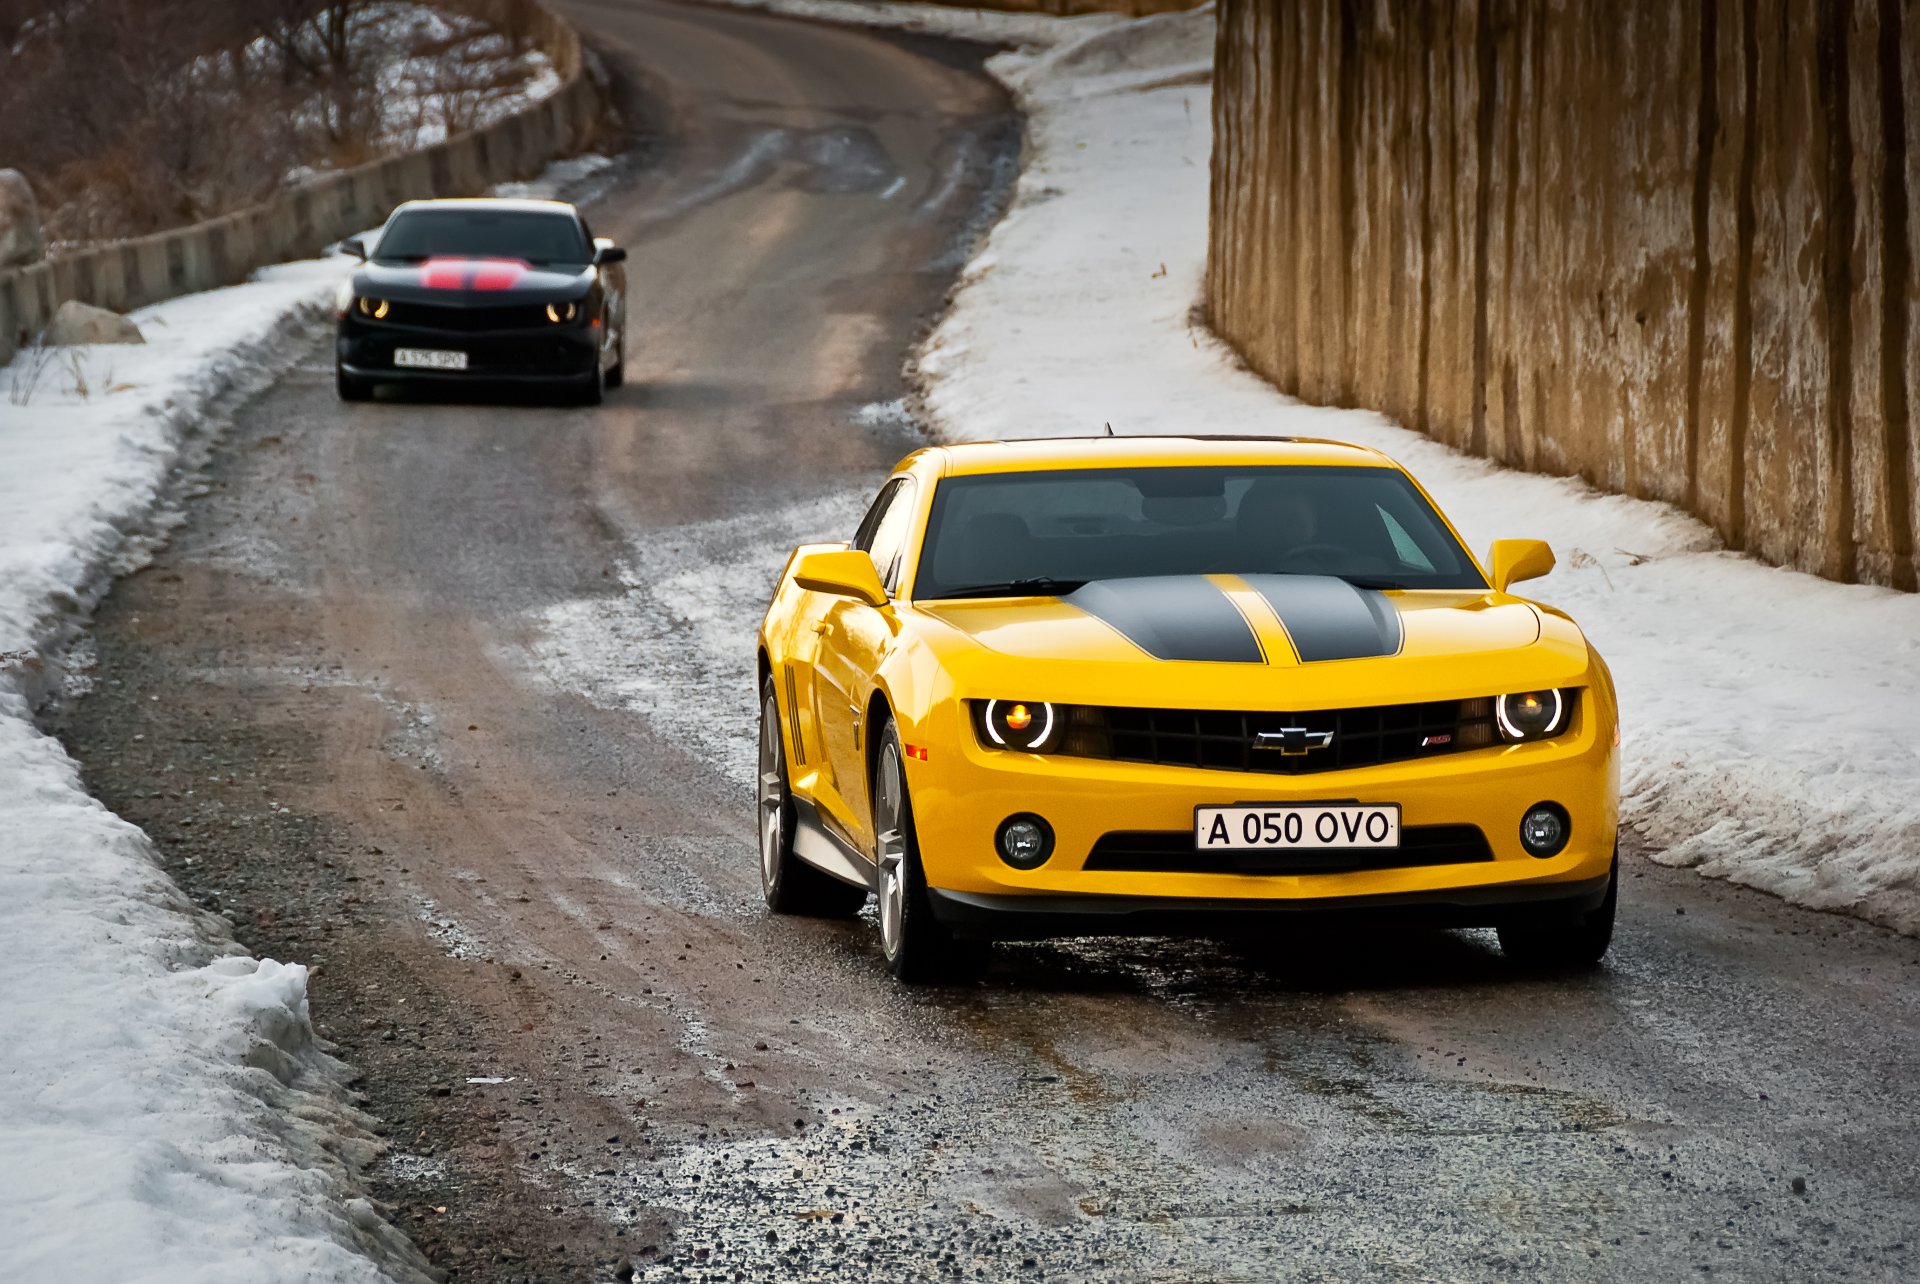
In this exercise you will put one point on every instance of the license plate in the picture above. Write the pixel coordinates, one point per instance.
(429, 359)
(1305, 827)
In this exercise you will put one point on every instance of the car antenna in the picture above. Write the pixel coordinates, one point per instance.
(1109, 427)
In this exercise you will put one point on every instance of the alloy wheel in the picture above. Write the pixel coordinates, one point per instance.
(773, 793)
(889, 821)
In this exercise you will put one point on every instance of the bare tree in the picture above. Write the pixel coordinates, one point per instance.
(133, 115)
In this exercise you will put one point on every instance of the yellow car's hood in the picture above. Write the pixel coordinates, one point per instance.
(1270, 620)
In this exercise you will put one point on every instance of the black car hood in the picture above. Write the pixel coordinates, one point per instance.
(475, 282)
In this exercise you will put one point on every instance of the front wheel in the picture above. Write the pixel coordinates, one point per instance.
(919, 948)
(618, 374)
(790, 885)
(1561, 942)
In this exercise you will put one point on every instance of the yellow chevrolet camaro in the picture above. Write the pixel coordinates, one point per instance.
(1178, 684)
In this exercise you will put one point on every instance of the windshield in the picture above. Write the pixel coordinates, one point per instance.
(1050, 532)
(532, 235)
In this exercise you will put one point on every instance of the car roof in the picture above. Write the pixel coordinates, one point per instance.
(1043, 453)
(491, 203)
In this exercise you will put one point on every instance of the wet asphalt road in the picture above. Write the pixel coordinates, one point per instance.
(450, 701)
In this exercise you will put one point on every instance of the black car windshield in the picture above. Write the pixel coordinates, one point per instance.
(1004, 534)
(533, 235)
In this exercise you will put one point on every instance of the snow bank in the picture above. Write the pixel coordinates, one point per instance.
(1772, 719)
(165, 1110)
(166, 1113)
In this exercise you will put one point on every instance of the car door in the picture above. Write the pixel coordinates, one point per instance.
(853, 640)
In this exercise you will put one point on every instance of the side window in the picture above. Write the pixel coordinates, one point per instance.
(883, 532)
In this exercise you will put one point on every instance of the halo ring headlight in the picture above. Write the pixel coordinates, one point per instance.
(560, 313)
(1024, 725)
(1530, 715)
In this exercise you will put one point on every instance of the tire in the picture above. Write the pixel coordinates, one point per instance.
(350, 387)
(918, 948)
(1562, 942)
(790, 885)
(618, 375)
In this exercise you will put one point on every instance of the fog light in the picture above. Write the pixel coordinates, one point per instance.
(1544, 830)
(1024, 841)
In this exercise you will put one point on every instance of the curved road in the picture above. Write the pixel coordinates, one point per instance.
(454, 702)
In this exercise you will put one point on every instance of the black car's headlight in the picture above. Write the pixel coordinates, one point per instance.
(375, 308)
(561, 313)
(1533, 715)
(1025, 725)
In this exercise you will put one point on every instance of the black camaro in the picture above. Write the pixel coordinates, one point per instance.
(484, 291)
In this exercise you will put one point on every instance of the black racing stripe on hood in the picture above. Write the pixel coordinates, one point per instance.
(1330, 619)
(1172, 617)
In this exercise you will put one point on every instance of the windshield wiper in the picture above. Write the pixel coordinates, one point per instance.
(1358, 581)
(1044, 584)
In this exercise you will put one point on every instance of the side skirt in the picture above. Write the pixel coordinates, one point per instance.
(827, 852)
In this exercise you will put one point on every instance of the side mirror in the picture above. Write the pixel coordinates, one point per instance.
(1519, 559)
(605, 254)
(843, 573)
(355, 246)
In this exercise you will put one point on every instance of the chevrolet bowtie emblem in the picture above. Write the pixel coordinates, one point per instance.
(1293, 741)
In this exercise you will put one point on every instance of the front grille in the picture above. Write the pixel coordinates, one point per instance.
(1173, 852)
(1231, 741)
(440, 316)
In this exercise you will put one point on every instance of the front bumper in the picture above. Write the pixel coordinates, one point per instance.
(963, 792)
(546, 355)
(1043, 916)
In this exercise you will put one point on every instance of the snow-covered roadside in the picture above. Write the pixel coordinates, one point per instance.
(165, 1110)
(166, 1113)
(1772, 719)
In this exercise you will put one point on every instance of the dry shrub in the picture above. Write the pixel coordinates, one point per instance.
(132, 116)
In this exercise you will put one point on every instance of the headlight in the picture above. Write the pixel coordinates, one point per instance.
(560, 313)
(1025, 725)
(1533, 715)
(375, 308)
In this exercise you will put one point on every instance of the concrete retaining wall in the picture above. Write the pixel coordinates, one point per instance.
(123, 275)
(1667, 247)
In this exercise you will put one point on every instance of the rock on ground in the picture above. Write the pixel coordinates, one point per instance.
(76, 323)
(21, 240)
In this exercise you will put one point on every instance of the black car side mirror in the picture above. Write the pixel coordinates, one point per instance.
(355, 246)
(609, 254)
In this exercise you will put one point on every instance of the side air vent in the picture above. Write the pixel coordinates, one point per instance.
(793, 716)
